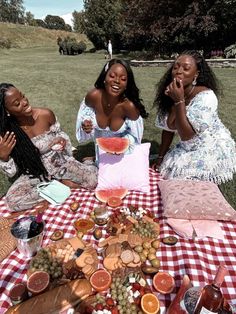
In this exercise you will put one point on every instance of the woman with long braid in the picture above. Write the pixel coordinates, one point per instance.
(33, 148)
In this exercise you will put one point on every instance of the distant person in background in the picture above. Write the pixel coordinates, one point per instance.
(33, 149)
(113, 108)
(187, 105)
(109, 49)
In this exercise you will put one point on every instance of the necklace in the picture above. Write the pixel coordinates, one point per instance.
(190, 93)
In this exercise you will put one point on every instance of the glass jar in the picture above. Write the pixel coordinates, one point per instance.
(18, 293)
(101, 215)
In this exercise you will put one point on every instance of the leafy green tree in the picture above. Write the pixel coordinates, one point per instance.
(78, 19)
(40, 23)
(167, 25)
(29, 18)
(55, 22)
(12, 11)
(103, 21)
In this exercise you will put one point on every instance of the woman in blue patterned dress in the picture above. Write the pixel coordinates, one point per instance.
(187, 103)
(113, 108)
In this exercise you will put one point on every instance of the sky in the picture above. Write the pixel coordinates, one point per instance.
(41, 8)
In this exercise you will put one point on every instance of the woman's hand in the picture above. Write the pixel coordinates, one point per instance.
(157, 163)
(58, 144)
(175, 90)
(7, 143)
(87, 126)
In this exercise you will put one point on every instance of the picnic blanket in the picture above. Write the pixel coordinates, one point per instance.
(198, 258)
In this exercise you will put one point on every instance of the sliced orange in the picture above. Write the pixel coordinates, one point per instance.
(150, 303)
(100, 280)
(163, 282)
(114, 201)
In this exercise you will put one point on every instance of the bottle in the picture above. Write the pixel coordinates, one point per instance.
(36, 226)
(211, 298)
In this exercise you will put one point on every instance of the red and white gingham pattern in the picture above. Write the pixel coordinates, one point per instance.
(197, 258)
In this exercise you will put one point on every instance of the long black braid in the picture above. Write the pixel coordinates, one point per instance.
(25, 154)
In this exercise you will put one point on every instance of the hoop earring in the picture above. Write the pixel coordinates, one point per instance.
(194, 83)
(8, 114)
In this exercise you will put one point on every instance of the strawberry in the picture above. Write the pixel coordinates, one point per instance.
(115, 310)
(98, 306)
(136, 286)
(110, 302)
(89, 309)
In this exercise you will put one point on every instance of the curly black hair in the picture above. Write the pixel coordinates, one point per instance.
(25, 154)
(131, 92)
(205, 78)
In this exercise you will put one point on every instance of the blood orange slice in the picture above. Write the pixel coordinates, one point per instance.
(150, 303)
(163, 282)
(38, 282)
(114, 201)
(100, 280)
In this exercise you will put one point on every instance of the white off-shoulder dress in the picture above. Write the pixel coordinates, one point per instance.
(211, 154)
(131, 129)
(23, 192)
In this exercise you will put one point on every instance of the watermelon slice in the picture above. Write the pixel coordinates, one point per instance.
(113, 145)
(104, 195)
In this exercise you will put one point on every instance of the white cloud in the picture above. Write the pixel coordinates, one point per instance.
(68, 18)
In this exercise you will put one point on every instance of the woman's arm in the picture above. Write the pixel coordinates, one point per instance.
(85, 122)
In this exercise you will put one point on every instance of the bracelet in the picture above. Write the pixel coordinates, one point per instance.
(179, 102)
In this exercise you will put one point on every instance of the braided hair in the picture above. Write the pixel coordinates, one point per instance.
(206, 77)
(25, 154)
(131, 92)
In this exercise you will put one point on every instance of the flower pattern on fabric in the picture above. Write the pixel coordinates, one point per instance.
(211, 154)
(59, 164)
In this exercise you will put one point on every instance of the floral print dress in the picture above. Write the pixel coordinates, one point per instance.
(59, 164)
(211, 154)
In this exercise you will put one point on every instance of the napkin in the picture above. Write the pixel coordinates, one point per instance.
(196, 228)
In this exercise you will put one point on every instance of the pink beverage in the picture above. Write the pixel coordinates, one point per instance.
(211, 298)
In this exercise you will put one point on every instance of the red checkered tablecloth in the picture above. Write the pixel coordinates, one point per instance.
(198, 258)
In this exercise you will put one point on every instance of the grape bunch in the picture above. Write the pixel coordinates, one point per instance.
(144, 229)
(44, 261)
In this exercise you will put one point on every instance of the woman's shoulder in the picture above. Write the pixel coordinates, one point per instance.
(45, 114)
(131, 111)
(92, 97)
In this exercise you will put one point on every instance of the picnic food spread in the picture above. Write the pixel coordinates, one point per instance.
(111, 263)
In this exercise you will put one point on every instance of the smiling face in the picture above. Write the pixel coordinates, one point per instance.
(16, 103)
(185, 69)
(116, 80)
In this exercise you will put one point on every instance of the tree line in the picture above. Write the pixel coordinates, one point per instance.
(13, 11)
(163, 26)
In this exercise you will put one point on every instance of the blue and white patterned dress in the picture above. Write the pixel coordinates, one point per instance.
(131, 129)
(211, 154)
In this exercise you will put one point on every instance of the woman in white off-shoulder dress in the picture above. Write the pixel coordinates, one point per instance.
(113, 108)
(33, 148)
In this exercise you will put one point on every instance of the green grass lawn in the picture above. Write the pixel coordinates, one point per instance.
(60, 83)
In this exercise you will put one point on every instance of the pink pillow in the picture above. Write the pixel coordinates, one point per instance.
(186, 199)
(130, 171)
